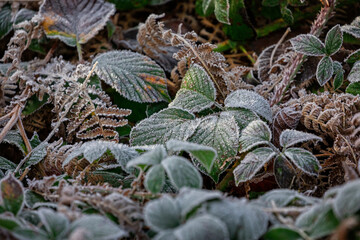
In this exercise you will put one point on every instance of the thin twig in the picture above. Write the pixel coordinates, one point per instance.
(288, 30)
(23, 135)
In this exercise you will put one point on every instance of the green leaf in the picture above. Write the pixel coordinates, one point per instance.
(204, 227)
(308, 44)
(162, 214)
(339, 75)
(319, 221)
(155, 179)
(133, 75)
(353, 57)
(249, 100)
(290, 137)
(287, 14)
(190, 198)
(353, 29)
(222, 11)
(353, 88)
(12, 194)
(98, 227)
(252, 163)
(354, 75)
(346, 202)
(152, 157)
(37, 156)
(125, 5)
(5, 20)
(270, 3)
(33, 104)
(197, 91)
(222, 134)
(256, 133)
(24, 15)
(284, 172)
(204, 154)
(304, 160)
(32, 198)
(13, 137)
(7, 164)
(333, 40)
(170, 123)
(324, 70)
(56, 224)
(181, 172)
(282, 232)
(74, 22)
(242, 116)
(8, 222)
(208, 7)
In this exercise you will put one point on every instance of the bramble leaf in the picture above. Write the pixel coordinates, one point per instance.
(252, 163)
(304, 160)
(256, 133)
(324, 70)
(346, 201)
(222, 134)
(197, 91)
(133, 75)
(170, 123)
(181, 172)
(353, 29)
(353, 88)
(354, 75)
(75, 21)
(6, 164)
(56, 224)
(290, 137)
(5, 20)
(339, 75)
(308, 44)
(353, 57)
(12, 194)
(155, 179)
(333, 40)
(152, 157)
(222, 11)
(208, 7)
(204, 154)
(249, 100)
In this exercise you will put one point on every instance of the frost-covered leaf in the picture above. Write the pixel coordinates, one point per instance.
(287, 14)
(353, 57)
(204, 154)
(339, 75)
(155, 179)
(32, 199)
(270, 3)
(319, 221)
(284, 172)
(197, 91)
(222, 134)
(98, 228)
(94, 150)
(7, 164)
(9, 222)
(324, 70)
(242, 116)
(5, 20)
(333, 40)
(12, 194)
(304, 160)
(56, 224)
(256, 133)
(346, 202)
(353, 88)
(308, 44)
(208, 7)
(243, 221)
(133, 75)
(290, 137)
(165, 235)
(152, 157)
(252, 163)
(14, 138)
(181, 172)
(162, 214)
(23, 15)
(170, 123)
(353, 29)
(75, 21)
(249, 100)
(354, 75)
(37, 155)
(190, 198)
(222, 11)
(204, 227)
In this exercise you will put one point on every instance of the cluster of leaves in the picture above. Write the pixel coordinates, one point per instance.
(146, 180)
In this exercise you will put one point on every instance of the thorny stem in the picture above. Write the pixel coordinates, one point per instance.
(202, 62)
(299, 59)
(67, 109)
